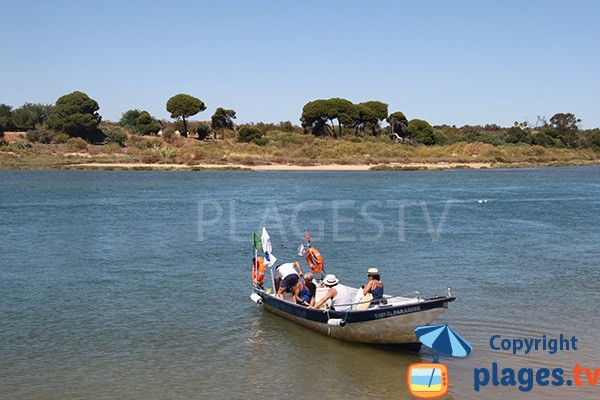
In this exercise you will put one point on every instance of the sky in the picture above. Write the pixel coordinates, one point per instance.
(447, 62)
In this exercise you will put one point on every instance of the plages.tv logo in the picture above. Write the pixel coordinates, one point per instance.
(430, 380)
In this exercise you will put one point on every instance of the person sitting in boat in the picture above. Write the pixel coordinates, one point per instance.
(339, 295)
(305, 292)
(286, 277)
(375, 286)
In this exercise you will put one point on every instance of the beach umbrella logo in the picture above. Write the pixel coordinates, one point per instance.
(430, 380)
(443, 339)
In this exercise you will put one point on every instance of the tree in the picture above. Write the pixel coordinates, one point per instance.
(6, 122)
(315, 116)
(29, 115)
(370, 114)
(184, 106)
(420, 131)
(223, 119)
(398, 126)
(317, 113)
(567, 128)
(145, 124)
(128, 118)
(517, 134)
(76, 115)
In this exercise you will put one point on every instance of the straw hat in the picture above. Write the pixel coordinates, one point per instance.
(373, 271)
(330, 280)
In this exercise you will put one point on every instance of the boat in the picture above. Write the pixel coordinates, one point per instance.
(390, 321)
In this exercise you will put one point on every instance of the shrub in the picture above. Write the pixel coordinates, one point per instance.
(247, 134)
(40, 135)
(203, 130)
(76, 144)
(167, 133)
(115, 135)
(593, 140)
(260, 141)
(61, 137)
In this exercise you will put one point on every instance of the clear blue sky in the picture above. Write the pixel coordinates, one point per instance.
(448, 62)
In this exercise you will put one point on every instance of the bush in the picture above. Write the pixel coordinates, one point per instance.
(203, 130)
(40, 135)
(260, 141)
(593, 140)
(115, 135)
(76, 144)
(247, 134)
(167, 133)
(61, 137)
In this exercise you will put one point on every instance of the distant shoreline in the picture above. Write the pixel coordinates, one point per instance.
(284, 167)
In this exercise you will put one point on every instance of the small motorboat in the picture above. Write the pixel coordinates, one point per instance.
(389, 321)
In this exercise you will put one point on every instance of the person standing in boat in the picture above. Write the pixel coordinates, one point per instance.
(305, 292)
(375, 286)
(339, 294)
(286, 277)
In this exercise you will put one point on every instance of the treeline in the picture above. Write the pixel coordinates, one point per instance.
(338, 117)
(75, 116)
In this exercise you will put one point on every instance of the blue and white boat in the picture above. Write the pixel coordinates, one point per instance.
(391, 322)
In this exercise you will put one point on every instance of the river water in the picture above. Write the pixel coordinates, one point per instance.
(136, 284)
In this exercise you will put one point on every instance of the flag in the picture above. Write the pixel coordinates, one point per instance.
(307, 237)
(256, 241)
(267, 248)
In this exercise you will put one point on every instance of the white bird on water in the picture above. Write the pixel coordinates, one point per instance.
(482, 201)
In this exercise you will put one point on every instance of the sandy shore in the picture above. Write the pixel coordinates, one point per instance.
(285, 167)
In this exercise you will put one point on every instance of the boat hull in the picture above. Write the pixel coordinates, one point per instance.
(391, 325)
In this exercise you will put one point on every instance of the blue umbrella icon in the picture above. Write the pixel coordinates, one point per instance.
(444, 340)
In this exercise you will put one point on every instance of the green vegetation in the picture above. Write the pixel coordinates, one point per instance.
(184, 106)
(222, 119)
(76, 114)
(140, 122)
(333, 131)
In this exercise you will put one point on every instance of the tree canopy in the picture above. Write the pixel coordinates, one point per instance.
(184, 106)
(567, 128)
(398, 125)
(421, 132)
(317, 113)
(30, 115)
(76, 114)
(140, 122)
(370, 114)
(6, 122)
(223, 119)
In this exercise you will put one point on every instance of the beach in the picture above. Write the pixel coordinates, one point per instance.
(286, 167)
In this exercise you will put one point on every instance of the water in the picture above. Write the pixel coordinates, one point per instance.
(136, 284)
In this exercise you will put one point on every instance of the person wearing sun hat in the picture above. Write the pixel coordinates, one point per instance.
(375, 286)
(339, 294)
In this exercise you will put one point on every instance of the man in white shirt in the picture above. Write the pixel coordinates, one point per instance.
(286, 277)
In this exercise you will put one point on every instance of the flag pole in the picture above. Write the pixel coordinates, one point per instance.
(255, 264)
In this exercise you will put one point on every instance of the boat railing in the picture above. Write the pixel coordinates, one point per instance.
(388, 301)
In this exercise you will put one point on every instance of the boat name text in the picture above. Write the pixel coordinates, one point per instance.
(401, 311)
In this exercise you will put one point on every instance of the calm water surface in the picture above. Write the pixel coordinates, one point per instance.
(136, 284)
